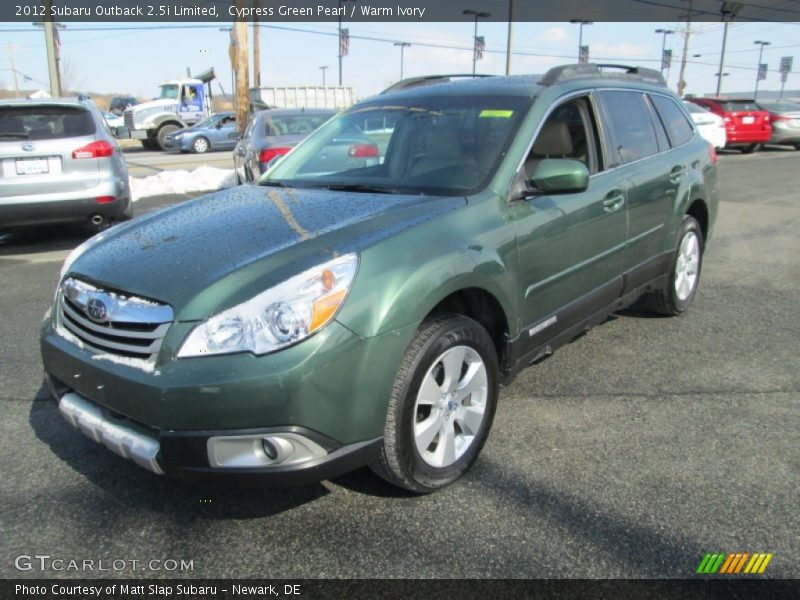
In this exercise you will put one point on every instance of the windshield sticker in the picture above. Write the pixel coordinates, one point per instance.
(496, 114)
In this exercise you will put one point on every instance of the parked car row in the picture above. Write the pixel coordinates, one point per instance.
(746, 124)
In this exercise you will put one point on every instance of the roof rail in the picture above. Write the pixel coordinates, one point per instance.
(568, 72)
(412, 82)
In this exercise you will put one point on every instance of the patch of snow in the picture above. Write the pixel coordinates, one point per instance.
(201, 179)
(69, 336)
(135, 363)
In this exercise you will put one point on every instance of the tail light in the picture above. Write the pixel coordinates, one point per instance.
(267, 154)
(105, 199)
(98, 149)
(363, 151)
(774, 118)
(712, 154)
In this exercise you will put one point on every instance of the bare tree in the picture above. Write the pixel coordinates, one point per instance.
(71, 78)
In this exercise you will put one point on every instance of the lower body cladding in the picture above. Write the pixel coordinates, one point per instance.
(310, 412)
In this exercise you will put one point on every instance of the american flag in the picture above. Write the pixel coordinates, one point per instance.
(344, 42)
(480, 46)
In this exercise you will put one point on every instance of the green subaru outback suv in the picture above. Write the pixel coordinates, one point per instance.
(358, 312)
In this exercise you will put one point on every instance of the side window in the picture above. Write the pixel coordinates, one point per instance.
(631, 125)
(678, 127)
(569, 132)
(661, 132)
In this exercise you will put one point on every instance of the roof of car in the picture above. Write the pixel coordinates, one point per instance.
(74, 101)
(285, 112)
(528, 85)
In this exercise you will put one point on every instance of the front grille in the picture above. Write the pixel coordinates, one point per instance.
(112, 322)
(129, 118)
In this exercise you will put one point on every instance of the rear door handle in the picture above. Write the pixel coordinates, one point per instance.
(677, 174)
(613, 201)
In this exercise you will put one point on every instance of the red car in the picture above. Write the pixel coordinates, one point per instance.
(747, 126)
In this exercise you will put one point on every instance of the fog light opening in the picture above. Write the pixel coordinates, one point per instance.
(269, 449)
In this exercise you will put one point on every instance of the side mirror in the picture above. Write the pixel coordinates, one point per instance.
(560, 176)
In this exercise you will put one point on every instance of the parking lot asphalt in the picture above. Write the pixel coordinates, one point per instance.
(631, 452)
(142, 163)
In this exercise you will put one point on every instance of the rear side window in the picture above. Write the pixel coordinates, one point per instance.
(45, 122)
(632, 129)
(678, 127)
(739, 105)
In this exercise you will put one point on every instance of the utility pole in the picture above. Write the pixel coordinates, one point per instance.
(52, 55)
(510, 36)
(256, 47)
(13, 67)
(728, 11)
(580, 23)
(686, 35)
(242, 83)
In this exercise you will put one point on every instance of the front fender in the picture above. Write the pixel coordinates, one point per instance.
(428, 265)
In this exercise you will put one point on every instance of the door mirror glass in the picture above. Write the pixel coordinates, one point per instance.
(560, 176)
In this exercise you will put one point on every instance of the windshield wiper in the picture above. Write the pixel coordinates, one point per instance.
(18, 136)
(274, 183)
(360, 187)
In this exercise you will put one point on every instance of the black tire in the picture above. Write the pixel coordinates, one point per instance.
(201, 145)
(163, 132)
(751, 148)
(149, 144)
(667, 301)
(400, 462)
(797, 146)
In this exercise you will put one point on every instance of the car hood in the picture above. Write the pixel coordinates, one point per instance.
(218, 250)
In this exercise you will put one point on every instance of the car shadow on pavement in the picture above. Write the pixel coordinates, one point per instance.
(43, 238)
(129, 485)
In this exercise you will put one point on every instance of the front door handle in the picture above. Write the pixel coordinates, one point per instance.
(613, 201)
(677, 174)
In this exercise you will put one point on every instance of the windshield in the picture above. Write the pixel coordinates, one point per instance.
(209, 122)
(291, 124)
(446, 145)
(169, 92)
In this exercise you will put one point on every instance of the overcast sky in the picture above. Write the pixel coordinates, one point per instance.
(137, 61)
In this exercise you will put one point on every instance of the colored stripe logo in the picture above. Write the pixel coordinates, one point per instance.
(734, 563)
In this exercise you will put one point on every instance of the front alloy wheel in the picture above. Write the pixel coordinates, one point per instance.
(442, 405)
(200, 145)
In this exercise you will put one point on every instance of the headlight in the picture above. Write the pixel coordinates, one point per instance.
(285, 314)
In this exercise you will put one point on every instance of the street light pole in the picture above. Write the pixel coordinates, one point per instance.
(664, 33)
(323, 68)
(580, 23)
(729, 10)
(477, 15)
(510, 36)
(758, 70)
(402, 46)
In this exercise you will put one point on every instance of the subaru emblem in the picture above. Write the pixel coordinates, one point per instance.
(97, 311)
(27, 147)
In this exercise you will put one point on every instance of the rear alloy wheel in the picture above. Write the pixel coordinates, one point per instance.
(163, 132)
(751, 148)
(201, 145)
(684, 276)
(442, 405)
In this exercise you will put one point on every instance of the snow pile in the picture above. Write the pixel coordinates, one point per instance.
(202, 179)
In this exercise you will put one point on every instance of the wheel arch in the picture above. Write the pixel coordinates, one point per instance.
(699, 210)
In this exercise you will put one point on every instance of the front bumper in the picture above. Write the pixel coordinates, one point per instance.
(186, 454)
(333, 387)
